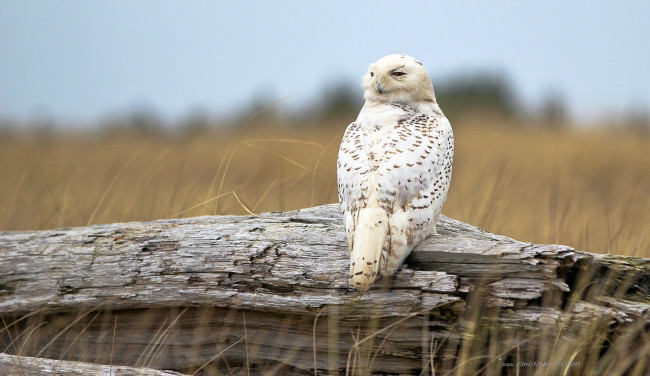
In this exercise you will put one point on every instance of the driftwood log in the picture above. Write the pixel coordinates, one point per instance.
(268, 295)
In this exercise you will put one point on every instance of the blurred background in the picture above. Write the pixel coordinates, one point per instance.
(131, 111)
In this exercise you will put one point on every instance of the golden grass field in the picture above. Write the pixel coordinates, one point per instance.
(586, 189)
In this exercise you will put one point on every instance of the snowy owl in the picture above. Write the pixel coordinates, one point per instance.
(394, 168)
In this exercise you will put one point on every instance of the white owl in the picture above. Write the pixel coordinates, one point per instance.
(394, 168)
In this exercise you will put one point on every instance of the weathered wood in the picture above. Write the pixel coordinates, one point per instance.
(270, 293)
(11, 365)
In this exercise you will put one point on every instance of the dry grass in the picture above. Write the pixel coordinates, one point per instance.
(585, 189)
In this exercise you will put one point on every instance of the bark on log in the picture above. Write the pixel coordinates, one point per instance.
(269, 294)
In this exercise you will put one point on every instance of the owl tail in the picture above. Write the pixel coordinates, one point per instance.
(369, 237)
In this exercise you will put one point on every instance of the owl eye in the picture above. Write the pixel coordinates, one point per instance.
(397, 74)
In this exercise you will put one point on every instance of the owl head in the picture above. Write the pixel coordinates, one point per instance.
(398, 79)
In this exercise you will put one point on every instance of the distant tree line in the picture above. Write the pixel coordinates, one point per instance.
(480, 94)
(486, 97)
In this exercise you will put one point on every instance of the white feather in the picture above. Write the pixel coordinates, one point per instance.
(367, 244)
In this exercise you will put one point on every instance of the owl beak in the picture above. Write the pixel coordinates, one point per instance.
(379, 89)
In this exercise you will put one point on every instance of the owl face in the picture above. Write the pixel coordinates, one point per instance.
(398, 79)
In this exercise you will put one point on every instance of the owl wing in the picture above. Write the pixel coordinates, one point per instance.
(413, 180)
(352, 166)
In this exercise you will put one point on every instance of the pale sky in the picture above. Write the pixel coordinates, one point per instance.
(82, 60)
